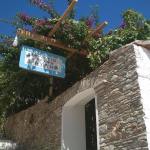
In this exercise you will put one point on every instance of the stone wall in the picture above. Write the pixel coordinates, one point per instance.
(120, 109)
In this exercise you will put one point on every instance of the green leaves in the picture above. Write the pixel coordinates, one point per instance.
(73, 33)
(20, 89)
(134, 27)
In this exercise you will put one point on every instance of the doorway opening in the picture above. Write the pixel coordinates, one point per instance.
(90, 126)
(79, 122)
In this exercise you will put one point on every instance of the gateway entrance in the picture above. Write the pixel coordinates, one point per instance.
(79, 124)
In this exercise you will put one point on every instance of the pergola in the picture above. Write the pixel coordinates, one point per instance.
(49, 40)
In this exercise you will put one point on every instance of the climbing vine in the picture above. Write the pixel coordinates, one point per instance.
(20, 89)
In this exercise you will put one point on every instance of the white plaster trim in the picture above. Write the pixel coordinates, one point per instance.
(4, 145)
(81, 98)
(97, 124)
(143, 70)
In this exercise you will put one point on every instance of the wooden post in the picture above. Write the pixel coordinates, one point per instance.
(99, 28)
(57, 25)
(49, 41)
(51, 87)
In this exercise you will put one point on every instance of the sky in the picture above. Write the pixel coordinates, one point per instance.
(109, 10)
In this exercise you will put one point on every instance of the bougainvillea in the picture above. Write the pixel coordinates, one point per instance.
(133, 27)
(46, 7)
(26, 19)
(90, 21)
(21, 89)
(123, 24)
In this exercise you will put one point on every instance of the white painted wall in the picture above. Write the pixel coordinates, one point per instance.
(7, 145)
(143, 70)
(73, 121)
(74, 128)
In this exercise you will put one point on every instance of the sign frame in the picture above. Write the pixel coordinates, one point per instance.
(45, 57)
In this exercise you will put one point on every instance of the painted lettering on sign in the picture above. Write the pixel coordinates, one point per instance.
(40, 61)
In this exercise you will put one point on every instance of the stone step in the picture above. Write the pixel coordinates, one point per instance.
(7, 145)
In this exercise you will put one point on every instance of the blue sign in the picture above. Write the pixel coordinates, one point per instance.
(40, 61)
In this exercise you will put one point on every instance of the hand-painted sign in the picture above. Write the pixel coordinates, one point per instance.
(40, 61)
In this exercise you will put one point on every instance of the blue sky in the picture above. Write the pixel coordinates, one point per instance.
(109, 10)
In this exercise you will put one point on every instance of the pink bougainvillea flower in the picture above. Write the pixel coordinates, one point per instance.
(26, 19)
(46, 7)
(90, 21)
(123, 24)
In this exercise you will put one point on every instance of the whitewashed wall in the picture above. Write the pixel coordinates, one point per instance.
(143, 70)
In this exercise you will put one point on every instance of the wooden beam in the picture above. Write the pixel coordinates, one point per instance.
(57, 25)
(99, 28)
(49, 41)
